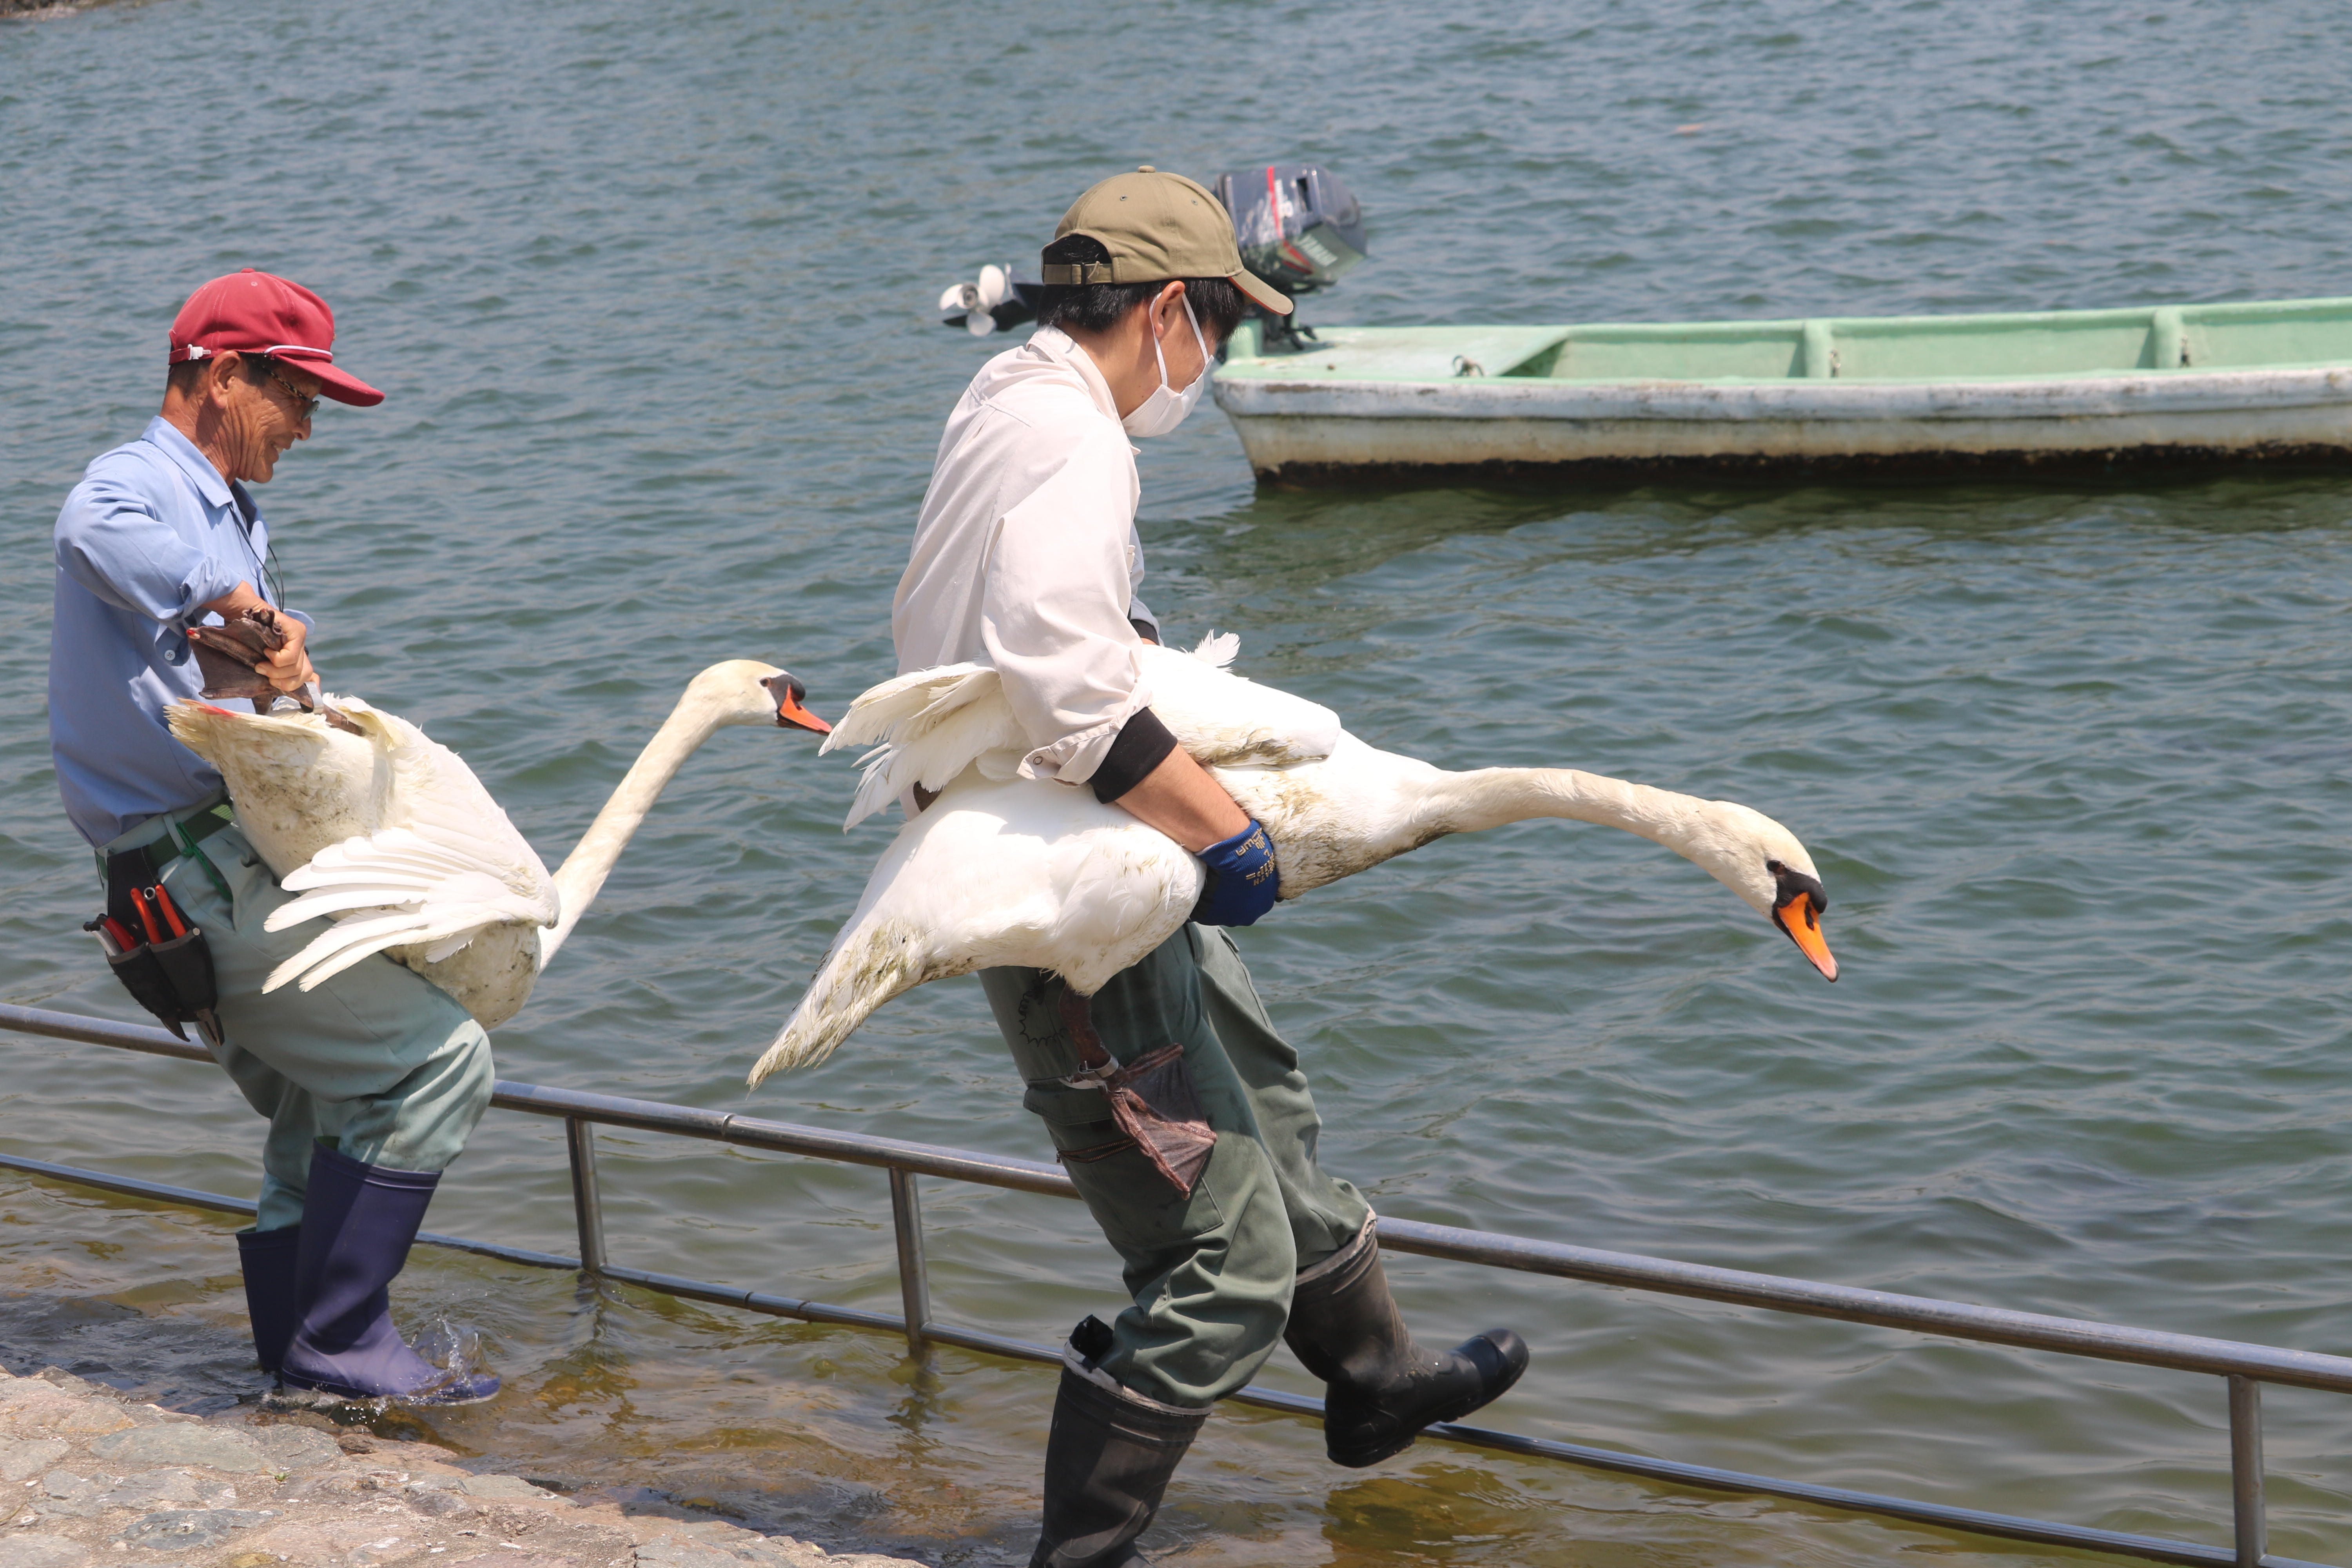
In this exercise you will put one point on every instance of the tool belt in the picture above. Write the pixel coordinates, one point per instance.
(161, 957)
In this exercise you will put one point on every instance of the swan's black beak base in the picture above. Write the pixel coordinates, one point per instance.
(791, 712)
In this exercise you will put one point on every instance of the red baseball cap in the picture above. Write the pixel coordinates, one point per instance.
(256, 313)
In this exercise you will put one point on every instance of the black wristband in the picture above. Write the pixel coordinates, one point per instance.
(1143, 744)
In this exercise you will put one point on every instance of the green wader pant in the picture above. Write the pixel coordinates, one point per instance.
(1210, 1274)
(379, 1062)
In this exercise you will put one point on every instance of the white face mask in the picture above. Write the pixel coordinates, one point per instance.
(1166, 407)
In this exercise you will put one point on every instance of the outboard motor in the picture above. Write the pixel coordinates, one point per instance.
(1298, 227)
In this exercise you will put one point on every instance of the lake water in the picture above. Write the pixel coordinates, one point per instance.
(650, 291)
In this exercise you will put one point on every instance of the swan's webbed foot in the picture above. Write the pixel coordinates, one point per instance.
(229, 658)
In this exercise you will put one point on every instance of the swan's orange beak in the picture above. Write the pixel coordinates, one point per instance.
(1800, 916)
(791, 696)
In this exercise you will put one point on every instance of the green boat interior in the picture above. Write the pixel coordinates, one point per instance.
(2044, 344)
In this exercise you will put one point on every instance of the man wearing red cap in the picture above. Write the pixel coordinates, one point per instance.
(373, 1081)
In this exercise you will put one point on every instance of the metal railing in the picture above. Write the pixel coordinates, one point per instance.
(2244, 1367)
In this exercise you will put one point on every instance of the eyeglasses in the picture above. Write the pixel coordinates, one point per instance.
(303, 406)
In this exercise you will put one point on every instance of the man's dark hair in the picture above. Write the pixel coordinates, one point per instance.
(1098, 307)
(184, 376)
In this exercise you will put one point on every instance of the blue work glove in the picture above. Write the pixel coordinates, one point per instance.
(1243, 879)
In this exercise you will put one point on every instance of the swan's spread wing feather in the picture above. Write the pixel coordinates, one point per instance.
(931, 726)
(448, 926)
(453, 867)
(881, 712)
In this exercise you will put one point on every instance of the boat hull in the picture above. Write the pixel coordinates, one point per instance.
(1303, 433)
(2060, 389)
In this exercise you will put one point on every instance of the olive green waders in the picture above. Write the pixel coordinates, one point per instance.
(1211, 1273)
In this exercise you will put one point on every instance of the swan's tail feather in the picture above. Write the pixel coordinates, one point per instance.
(869, 965)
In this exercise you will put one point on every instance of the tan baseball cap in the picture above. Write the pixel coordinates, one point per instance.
(1158, 226)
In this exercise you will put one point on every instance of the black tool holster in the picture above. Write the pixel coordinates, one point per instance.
(171, 978)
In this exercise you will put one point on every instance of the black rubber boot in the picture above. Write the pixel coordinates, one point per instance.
(1107, 1466)
(357, 1222)
(267, 1259)
(1383, 1388)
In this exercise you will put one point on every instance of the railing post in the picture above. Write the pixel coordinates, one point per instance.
(914, 1284)
(2246, 1469)
(587, 1203)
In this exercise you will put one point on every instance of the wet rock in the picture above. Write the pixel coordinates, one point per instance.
(185, 1529)
(321, 1485)
(25, 1456)
(442, 1502)
(369, 1540)
(209, 1447)
(156, 1488)
(671, 1551)
(720, 1545)
(65, 1495)
(298, 1447)
(25, 1551)
(501, 1488)
(61, 1415)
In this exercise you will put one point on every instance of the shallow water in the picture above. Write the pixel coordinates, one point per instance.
(648, 294)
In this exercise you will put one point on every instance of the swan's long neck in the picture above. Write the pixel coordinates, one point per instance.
(581, 876)
(1489, 797)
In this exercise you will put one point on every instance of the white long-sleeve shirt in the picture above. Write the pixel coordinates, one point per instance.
(1026, 558)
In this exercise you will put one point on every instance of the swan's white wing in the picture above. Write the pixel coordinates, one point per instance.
(451, 868)
(884, 712)
(463, 909)
(1225, 721)
(932, 724)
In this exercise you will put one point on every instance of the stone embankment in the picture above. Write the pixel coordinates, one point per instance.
(89, 1478)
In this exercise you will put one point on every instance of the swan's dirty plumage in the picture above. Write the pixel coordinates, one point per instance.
(389, 832)
(1003, 870)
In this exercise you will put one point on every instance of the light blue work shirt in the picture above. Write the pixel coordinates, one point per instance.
(150, 534)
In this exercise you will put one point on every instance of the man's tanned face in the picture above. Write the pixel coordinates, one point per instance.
(257, 419)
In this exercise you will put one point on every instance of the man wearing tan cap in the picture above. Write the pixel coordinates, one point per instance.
(372, 1082)
(1026, 559)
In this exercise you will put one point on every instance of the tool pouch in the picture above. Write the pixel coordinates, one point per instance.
(141, 974)
(186, 964)
(171, 978)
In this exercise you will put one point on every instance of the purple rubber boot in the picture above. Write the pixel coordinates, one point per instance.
(357, 1222)
(267, 1259)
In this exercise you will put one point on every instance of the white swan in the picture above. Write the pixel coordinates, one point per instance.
(1005, 870)
(390, 832)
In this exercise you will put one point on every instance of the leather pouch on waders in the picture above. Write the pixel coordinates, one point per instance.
(1151, 1100)
(162, 960)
